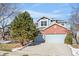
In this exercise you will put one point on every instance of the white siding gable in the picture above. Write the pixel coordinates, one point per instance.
(39, 23)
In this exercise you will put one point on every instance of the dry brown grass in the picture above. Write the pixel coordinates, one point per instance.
(75, 46)
(9, 47)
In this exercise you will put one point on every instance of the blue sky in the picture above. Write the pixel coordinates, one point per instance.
(60, 11)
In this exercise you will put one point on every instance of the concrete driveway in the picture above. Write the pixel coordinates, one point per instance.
(45, 49)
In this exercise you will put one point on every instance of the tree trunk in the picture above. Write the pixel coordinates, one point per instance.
(22, 43)
(76, 39)
(3, 34)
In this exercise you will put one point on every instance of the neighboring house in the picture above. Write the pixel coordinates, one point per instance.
(76, 32)
(6, 32)
(0, 33)
(52, 31)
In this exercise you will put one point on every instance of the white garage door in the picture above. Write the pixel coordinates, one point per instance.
(56, 38)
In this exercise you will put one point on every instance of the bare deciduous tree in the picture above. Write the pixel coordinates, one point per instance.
(7, 11)
(74, 20)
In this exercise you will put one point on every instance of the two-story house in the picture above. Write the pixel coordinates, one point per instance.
(53, 31)
(45, 22)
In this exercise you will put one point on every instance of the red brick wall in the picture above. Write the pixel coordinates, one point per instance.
(55, 29)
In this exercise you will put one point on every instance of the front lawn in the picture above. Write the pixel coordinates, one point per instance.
(9, 47)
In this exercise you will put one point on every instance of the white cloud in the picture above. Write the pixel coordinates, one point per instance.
(36, 15)
(40, 14)
(56, 11)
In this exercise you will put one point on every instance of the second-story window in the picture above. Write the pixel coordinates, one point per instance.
(51, 20)
(43, 23)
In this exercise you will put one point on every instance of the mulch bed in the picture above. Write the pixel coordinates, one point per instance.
(75, 46)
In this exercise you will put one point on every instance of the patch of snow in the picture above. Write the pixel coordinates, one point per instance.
(4, 41)
(75, 51)
(15, 49)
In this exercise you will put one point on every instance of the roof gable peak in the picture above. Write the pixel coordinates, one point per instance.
(44, 17)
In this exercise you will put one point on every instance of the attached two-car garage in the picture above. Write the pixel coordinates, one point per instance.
(55, 38)
(55, 33)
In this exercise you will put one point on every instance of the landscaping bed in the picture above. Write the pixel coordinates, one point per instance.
(9, 47)
(75, 46)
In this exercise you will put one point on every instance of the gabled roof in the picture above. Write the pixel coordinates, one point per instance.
(42, 18)
(55, 29)
(55, 24)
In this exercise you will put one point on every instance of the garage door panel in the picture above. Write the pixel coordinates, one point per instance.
(58, 38)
